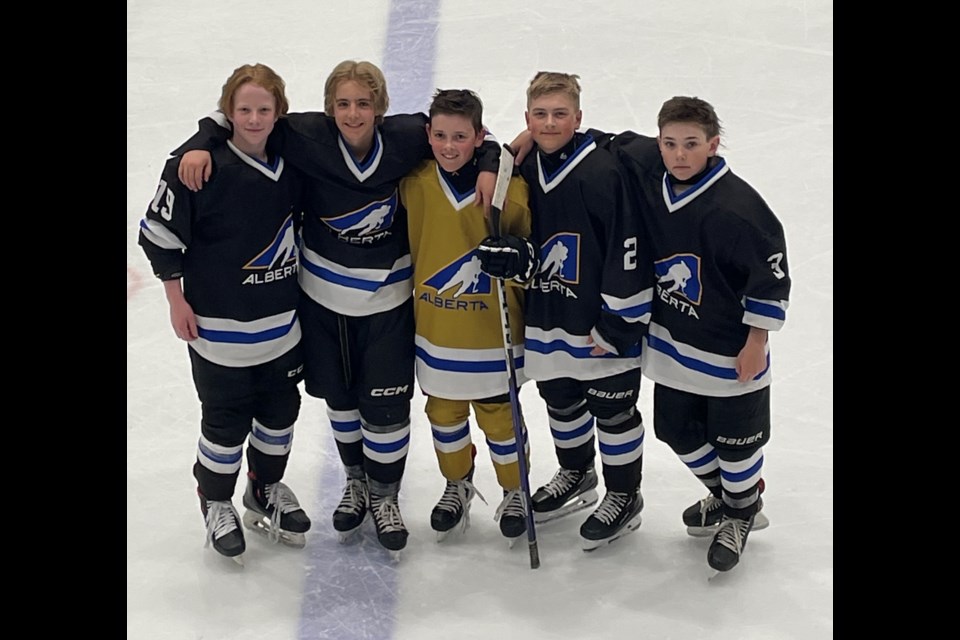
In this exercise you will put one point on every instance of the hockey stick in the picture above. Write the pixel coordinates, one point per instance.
(496, 208)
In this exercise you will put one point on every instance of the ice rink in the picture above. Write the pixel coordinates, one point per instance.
(767, 67)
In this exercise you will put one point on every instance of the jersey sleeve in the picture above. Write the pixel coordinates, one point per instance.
(213, 131)
(761, 253)
(165, 227)
(627, 281)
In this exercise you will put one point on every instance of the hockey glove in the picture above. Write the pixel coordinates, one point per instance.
(508, 257)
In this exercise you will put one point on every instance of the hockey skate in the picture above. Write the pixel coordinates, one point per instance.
(391, 532)
(273, 512)
(703, 517)
(729, 542)
(617, 516)
(512, 516)
(352, 509)
(453, 509)
(569, 491)
(223, 528)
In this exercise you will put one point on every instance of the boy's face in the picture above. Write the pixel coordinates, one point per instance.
(453, 139)
(552, 120)
(685, 148)
(253, 115)
(354, 113)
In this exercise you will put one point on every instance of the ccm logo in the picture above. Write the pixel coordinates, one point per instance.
(390, 391)
(295, 372)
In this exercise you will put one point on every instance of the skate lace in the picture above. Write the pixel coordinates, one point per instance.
(732, 533)
(708, 504)
(222, 518)
(387, 513)
(511, 505)
(457, 495)
(611, 506)
(354, 496)
(561, 482)
(283, 500)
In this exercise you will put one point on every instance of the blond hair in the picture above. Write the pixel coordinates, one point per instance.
(364, 73)
(547, 82)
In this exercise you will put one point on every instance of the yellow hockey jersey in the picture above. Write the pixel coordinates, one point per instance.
(459, 335)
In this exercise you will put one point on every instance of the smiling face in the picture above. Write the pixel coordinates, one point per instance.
(253, 115)
(685, 148)
(453, 140)
(354, 112)
(552, 119)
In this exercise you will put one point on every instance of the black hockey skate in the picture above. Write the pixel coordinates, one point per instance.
(617, 516)
(453, 509)
(512, 516)
(391, 532)
(703, 517)
(273, 511)
(567, 492)
(729, 542)
(223, 528)
(352, 509)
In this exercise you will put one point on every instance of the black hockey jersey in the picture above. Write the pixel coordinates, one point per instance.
(591, 284)
(355, 257)
(720, 261)
(234, 245)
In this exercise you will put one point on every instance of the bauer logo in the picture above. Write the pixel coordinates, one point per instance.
(560, 258)
(462, 277)
(368, 220)
(679, 275)
(280, 254)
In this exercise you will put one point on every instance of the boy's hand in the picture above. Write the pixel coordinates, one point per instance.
(521, 146)
(486, 181)
(507, 257)
(195, 169)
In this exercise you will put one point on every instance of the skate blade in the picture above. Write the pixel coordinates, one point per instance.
(238, 559)
(259, 525)
(461, 528)
(583, 501)
(630, 527)
(760, 522)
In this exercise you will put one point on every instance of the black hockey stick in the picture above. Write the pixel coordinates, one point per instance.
(496, 207)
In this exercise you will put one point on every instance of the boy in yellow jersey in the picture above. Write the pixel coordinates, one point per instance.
(459, 334)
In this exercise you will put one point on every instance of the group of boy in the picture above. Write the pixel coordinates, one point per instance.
(620, 254)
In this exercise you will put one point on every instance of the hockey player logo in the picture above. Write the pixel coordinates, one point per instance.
(461, 277)
(680, 274)
(278, 260)
(560, 258)
(366, 221)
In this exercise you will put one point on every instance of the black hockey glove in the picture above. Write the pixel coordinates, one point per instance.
(508, 257)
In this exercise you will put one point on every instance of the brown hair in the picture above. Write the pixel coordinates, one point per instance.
(458, 102)
(693, 110)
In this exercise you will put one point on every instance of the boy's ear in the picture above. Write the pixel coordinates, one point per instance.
(714, 145)
(427, 127)
(579, 118)
(526, 118)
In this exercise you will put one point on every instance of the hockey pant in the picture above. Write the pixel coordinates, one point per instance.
(367, 387)
(450, 424)
(720, 439)
(573, 406)
(261, 402)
